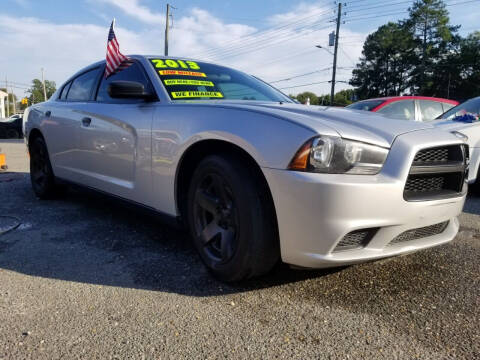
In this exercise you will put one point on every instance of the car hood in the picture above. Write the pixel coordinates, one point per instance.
(350, 124)
(472, 130)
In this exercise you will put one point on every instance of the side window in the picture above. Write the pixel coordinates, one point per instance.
(133, 73)
(63, 95)
(401, 110)
(430, 109)
(82, 86)
(447, 106)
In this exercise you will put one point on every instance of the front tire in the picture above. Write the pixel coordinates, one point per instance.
(231, 218)
(41, 173)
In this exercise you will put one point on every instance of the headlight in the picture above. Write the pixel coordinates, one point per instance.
(334, 155)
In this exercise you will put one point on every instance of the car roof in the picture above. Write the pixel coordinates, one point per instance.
(133, 56)
(413, 97)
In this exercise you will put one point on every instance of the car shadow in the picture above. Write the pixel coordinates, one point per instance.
(92, 238)
(472, 203)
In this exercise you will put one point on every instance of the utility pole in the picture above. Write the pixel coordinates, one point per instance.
(44, 90)
(167, 25)
(339, 16)
(8, 102)
(13, 100)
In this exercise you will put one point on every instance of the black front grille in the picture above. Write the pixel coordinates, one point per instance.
(420, 233)
(437, 173)
(426, 183)
(356, 239)
(432, 155)
(439, 155)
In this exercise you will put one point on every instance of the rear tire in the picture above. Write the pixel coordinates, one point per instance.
(231, 219)
(41, 173)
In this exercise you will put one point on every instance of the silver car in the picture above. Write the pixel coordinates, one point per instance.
(254, 177)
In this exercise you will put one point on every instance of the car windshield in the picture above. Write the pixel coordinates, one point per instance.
(471, 106)
(367, 105)
(191, 80)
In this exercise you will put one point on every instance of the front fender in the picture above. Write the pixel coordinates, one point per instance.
(271, 141)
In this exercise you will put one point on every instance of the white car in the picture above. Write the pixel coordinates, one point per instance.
(254, 176)
(455, 120)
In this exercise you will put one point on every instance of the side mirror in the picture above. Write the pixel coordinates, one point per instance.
(128, 90)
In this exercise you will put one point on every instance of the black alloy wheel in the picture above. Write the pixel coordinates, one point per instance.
(215, 217)
(231, 218)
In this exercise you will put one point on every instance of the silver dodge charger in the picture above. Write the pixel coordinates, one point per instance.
(254, 176)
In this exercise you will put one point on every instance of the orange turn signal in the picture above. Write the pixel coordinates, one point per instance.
(300, 160)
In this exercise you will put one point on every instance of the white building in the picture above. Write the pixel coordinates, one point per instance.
(3, 95)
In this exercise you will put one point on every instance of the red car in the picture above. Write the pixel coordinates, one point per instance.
(417, 108)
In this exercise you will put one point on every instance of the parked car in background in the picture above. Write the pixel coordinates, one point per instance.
(418, 108)
(464, 119)
(11, 127)
(253, 176)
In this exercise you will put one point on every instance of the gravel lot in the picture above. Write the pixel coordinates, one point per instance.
(86, 277)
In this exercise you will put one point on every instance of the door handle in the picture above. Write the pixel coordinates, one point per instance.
(48, 113)
(86, 121)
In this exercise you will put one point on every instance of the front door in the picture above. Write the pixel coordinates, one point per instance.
(115, 140)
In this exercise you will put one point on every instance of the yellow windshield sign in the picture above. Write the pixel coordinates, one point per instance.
(170, 63)
(181, 72)
(188, 82)
(195, 94)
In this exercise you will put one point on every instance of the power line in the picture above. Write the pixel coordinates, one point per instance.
(375, 17)
(280, 39)
(401, 12)
(363, 8)
(284, 34)
(289, 57)
(257, 36)
(314, 83)
(301, 75)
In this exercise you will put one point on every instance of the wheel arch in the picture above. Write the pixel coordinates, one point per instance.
(198, 151)
(32, 135)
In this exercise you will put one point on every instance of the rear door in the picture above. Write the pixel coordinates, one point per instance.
(62, 124)
(429, 109)
(115, 142)
(400, 110)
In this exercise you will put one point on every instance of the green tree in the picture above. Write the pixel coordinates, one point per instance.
(324, 100)
(302, 98)
(36, 90)
(468, 62)
(343, 97)
(434, 37)
(385, 63)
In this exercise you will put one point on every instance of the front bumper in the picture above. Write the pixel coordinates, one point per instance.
(315, 211)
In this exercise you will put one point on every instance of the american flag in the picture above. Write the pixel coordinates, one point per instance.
(116, 61)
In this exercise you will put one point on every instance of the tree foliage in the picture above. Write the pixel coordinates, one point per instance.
(341, 98)
(421, 55)
(36, 90)
(385, 63)
(434, 38)
(302, 98)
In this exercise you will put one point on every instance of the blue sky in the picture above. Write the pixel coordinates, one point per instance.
(273, 39)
